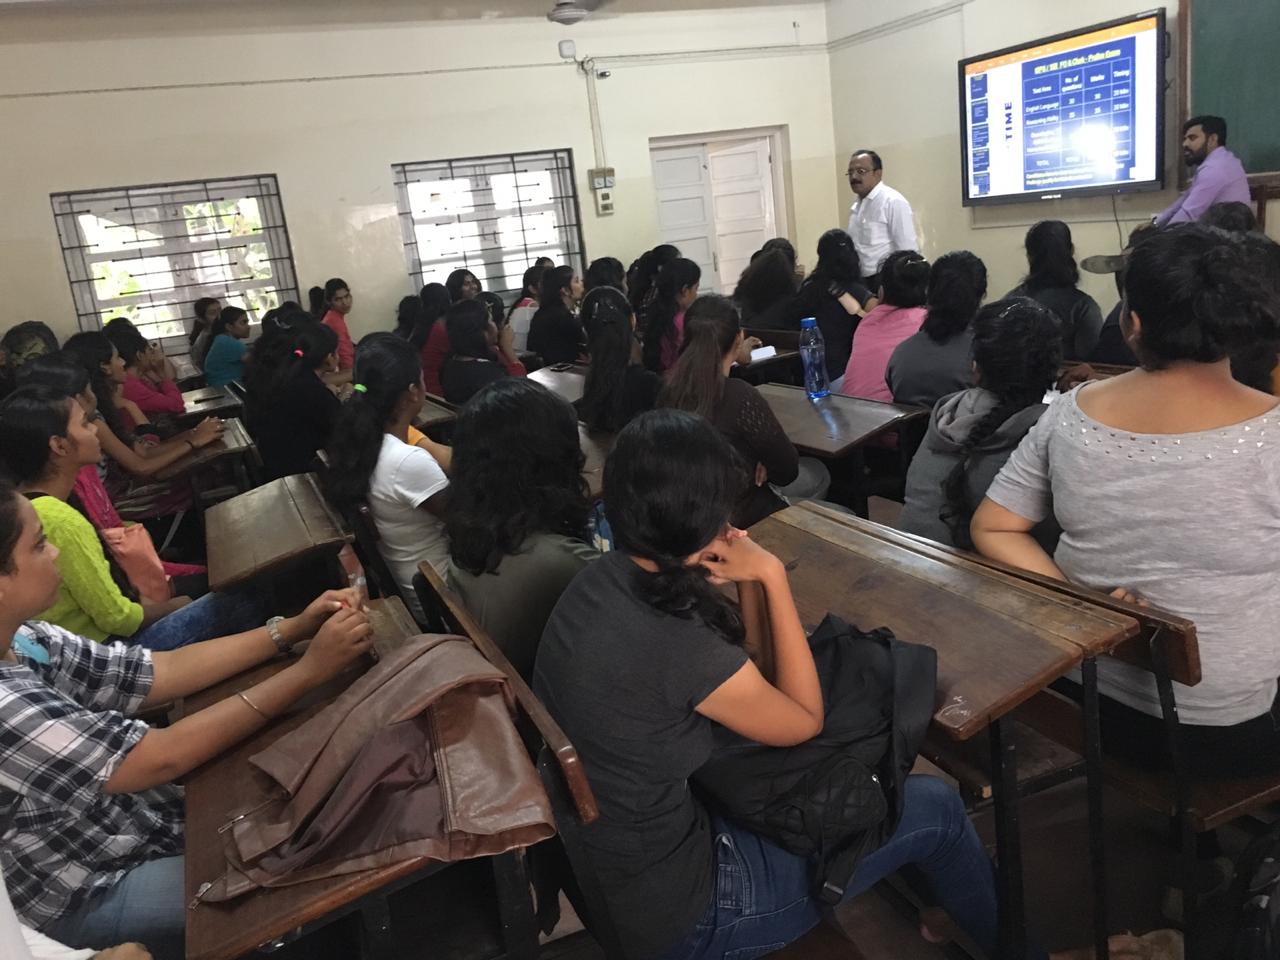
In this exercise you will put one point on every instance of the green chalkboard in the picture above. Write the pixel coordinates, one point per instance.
(1235, 73)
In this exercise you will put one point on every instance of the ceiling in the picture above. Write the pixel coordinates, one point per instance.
(373, 10)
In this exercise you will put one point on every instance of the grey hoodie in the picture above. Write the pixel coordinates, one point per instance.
(954, 417)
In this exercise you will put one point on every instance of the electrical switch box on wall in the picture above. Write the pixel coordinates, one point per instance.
(602, 182)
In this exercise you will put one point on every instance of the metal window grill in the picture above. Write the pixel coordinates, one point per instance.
(493, 216)
(149, 252)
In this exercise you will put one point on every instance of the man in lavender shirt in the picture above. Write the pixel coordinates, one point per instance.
(1220, 177)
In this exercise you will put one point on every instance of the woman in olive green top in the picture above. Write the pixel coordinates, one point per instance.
(517, 511)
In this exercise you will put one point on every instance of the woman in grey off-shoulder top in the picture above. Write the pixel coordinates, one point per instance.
(1166, 482)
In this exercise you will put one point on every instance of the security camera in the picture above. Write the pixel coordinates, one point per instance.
(603, 74)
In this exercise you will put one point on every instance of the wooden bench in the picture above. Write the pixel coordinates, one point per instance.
(270, 529)
(235, 442)
(269, 917)
(208, 402)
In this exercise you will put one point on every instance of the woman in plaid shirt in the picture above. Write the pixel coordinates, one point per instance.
(90, 817)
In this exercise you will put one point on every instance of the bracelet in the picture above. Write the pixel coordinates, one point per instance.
(254, 707)
(189, 443)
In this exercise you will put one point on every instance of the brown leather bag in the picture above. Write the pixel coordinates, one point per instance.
(418, 758)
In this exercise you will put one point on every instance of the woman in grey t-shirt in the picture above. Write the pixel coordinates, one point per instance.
(1166, 482)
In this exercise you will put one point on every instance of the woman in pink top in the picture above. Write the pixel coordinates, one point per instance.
(904, 280)
(337, 296)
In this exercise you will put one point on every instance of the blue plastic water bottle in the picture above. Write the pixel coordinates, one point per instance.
(813, 354)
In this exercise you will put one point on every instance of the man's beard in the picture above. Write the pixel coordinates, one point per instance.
(1194, 159)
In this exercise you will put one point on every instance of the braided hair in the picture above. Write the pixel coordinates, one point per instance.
(669, 487)
(1017, 348)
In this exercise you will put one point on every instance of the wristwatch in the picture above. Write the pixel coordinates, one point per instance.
(273, 628)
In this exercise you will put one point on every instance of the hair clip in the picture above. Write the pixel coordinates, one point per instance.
(359, 388)
(297, 353)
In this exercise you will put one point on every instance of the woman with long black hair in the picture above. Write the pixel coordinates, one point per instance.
(371, 460)
(520, 316)
(1051, 280)
(298, 409)
(479, 353)
(937, 361)
(462, 285)
(225, 360)
(617, 387)
(676, 288)
(700, 383)
(1016, 352)
(555, 333)
(642, 278)
(833, 294)
(517, 515)
(644, 656)
(431, 337)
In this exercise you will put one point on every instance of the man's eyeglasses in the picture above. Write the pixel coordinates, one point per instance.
(861, 171)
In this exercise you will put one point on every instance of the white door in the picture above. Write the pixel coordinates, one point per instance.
(742, 202)
(685, 207)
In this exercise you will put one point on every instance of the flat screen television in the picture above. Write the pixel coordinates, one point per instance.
(1076, 114)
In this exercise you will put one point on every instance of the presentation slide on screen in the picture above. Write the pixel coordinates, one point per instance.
(1074, 113)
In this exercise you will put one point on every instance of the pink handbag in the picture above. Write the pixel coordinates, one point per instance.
(131, 546)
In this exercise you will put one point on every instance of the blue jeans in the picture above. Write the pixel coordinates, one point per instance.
(213, 615)
(763, 894)
(147, 906)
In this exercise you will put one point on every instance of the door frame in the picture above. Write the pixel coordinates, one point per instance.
(779, 150)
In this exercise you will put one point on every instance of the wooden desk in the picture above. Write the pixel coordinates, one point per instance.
(569, 384)
(208, 402)
(829, 428)
(596, 446)
(234, 442)
(269, 529)
(435, 411)
(782, 339)
(184, 369)
(217, 791)
(1000, 640)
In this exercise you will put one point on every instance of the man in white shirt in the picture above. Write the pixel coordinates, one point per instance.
(881, 220)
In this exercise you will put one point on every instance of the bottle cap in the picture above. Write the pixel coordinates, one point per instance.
(808, 322)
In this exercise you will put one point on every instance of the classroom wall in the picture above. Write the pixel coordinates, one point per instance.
(893, 82)
(328, 97)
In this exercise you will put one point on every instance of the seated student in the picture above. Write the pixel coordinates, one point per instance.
(1162, 480)
(766, 292)
(937, 361)
(642, 279)
(617, 387)
(1016, 354)
(904, 284)
(19, 346)
(371, 461)
(517, 514)
(135, 457)
(462, 285)
(433, 335)
(554, 332)
(1051, 280)
(520, 316)
(269, 353)
(298, 410)
(206, 310)
(46, 439)
(149, 382)
(338, 303)
(408, 316)
(225, 360)
(67, 378)
(834, 295)
(478, 353)
(605, 272)
(676, 288)
(643, 657)
(700, 383)
(92, 845)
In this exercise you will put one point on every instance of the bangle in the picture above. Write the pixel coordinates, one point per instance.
(254, 707)
(189, 443)
(273, 628)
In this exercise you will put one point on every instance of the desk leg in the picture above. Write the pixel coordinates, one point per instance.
(1004, 765)
(1093, 782)
(376, 939)
(515, 906)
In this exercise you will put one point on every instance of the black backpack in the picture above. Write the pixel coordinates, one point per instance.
(836, 797)
(1257, 898)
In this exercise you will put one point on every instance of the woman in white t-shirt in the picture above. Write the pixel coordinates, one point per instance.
(372, 461)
